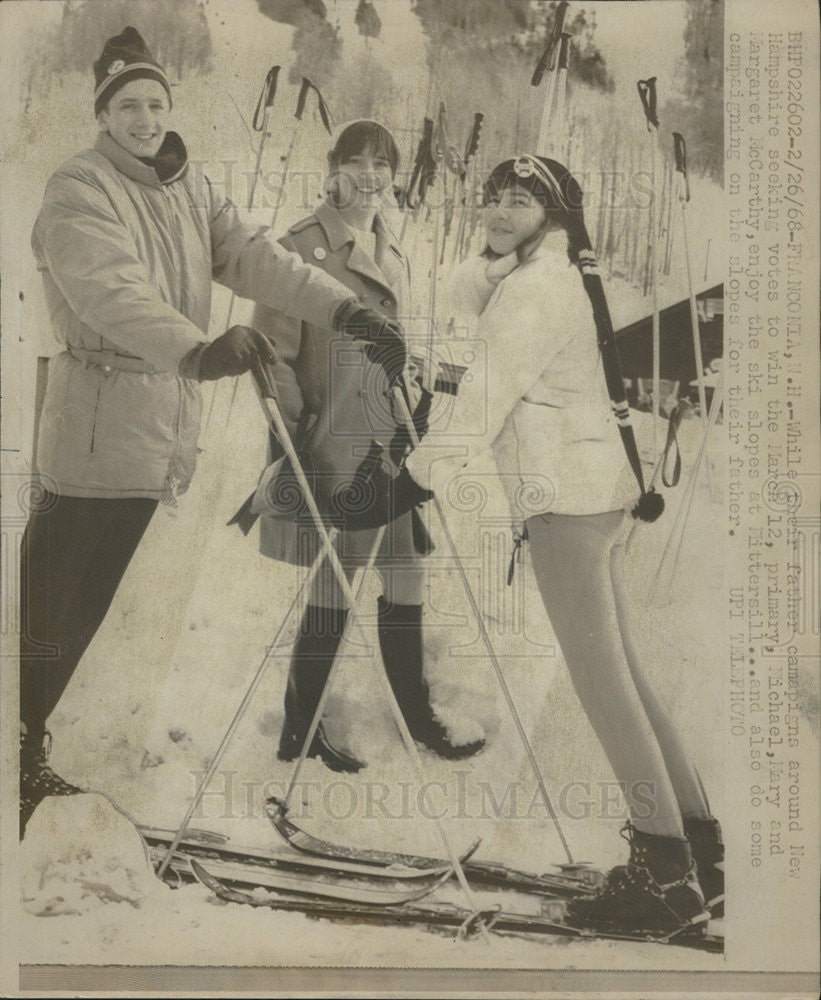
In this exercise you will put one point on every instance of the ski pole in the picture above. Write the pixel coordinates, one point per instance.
(517, 721)
(467, 187)
(561, 85)
(647, 93)
(244, 704)
(266, 391)
(546, 62)
(325, 115)
(680, 151)
(683, 514)
(265, 104)
(421, 176)
(454, 164)
(684, 197)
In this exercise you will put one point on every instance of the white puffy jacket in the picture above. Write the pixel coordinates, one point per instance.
(536, 395)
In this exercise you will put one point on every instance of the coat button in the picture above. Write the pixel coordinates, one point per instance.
(387, 303)
(107, 369)
(319, 253)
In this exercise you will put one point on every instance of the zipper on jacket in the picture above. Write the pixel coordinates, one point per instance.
(174, 227)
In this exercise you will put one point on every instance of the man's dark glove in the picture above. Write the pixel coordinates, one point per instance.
(376, 498)
(234, 353)
(421, 417)
(386, 345)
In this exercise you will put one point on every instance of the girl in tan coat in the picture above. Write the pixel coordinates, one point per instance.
(335, 402)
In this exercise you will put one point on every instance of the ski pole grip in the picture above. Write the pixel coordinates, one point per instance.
(680, 151)
(266, 98)
(303, 97)
(564, 50)
(324, 113)
(546, 60)
(439, 140)
(647, 93)
(473, 139)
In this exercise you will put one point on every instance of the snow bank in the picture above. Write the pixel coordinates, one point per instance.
(81, 853)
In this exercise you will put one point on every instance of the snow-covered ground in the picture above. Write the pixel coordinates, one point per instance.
(192, 621)
(199, 608)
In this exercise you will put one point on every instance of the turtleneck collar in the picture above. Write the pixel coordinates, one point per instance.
(170, 163)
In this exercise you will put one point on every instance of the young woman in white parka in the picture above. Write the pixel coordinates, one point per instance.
(556, 437)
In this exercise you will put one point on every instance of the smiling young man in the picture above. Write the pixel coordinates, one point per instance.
(128, 244)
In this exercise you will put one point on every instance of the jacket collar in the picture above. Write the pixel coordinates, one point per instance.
(169, 165)
(554, 242)
(338, 234)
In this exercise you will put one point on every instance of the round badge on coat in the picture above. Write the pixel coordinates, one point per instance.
(320, 254)
(116, 67)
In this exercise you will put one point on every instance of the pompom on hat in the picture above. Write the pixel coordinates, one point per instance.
(125, 57)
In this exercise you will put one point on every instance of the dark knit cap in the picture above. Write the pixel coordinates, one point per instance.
(125, 57)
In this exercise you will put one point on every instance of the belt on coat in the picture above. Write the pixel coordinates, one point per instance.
(110, 360)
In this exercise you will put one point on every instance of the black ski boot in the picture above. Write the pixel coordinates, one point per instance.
(655, 893)
(708, 853)
(319, 636)
(400, 640)
(37, 779)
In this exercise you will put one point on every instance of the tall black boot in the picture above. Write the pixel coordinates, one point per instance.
(319, 636)
(708, 853)
(400, 640)
(655, 892)
(37, 779)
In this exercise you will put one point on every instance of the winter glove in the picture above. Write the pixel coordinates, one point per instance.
(234, 352)
(375, 497)
(386, 345)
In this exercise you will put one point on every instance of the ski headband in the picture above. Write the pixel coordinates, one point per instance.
(547, 179)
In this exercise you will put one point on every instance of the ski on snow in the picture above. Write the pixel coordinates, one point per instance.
(257, 868)
(569, 880)
(432, 916)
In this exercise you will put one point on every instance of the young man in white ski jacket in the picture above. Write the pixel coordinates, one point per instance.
(128, 243)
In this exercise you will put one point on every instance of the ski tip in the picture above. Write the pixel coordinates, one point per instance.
(472, 849)
(203, 877)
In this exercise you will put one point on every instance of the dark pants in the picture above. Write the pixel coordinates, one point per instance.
(74, 553)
